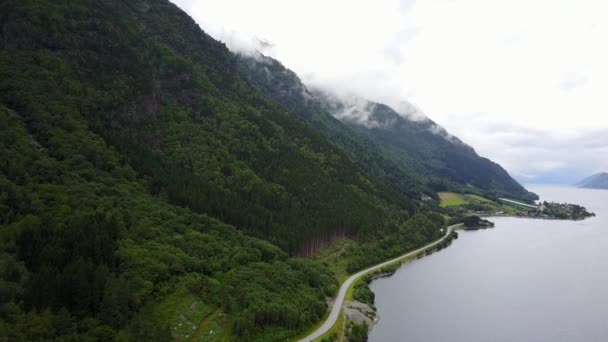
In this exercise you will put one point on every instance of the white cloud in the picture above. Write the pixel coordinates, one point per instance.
(515, 79)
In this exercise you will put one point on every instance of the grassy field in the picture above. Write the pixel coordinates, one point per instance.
(457, 202)
(449, 199)
(210, 328)
(184, 312)
(478, 198)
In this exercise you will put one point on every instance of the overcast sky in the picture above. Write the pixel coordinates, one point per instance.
(525, 82)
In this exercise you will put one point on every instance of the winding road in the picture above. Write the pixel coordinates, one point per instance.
(339, 301)
(519, 203)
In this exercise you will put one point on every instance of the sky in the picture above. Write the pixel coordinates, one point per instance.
(522, 81)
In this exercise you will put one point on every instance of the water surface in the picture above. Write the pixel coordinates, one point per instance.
(524, 280)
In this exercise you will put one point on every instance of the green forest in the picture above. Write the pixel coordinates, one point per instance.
(149, 190)
(408, 157)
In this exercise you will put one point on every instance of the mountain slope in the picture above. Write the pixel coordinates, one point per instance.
(427, 148)
(285, 87)
(139, 170)
(169, 99)
(88, 254)
(136, 163)
(597, 181)
(414, 151)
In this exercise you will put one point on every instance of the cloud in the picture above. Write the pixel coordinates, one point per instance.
(410, 111)
(538, 154)
(523, 82)
(349, 107)
(353, 108)
(572, 81)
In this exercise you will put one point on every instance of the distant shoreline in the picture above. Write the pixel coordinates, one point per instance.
(534, 217)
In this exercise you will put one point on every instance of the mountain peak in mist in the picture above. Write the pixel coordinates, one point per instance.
(596, 181)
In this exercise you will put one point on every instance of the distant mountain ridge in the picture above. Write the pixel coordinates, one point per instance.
(597, 181)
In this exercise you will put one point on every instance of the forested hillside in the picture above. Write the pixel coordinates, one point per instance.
(155, 186)
(168, 98)
(87, 254)
(429, 149)
(137, 164)
(384, 143)
(285, 87)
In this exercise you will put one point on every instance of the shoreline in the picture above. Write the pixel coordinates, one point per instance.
(535, 217)
(462, 227)
(339, 300)
(353, 279)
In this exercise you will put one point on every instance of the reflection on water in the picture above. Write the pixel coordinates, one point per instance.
(525, 280)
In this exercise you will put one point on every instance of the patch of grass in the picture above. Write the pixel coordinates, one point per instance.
(451, 199)
(508, 209)
(210, 328)
(349, 292)
(471, 204)
(183, 311)
(227, 329)
(336, 332)
(478, 198)
(335, 257)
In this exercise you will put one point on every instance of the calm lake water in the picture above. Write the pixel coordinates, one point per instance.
(524, 280)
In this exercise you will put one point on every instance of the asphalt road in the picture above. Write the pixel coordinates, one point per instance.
(520, 203)
(339, 301)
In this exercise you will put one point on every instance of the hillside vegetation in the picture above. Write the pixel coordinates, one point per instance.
(87, 253)
(143, 177)
(168, 99)
(410, 157)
